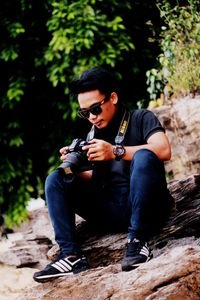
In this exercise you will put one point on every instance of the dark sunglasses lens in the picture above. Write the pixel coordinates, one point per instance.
(84, 114)
(96, 110)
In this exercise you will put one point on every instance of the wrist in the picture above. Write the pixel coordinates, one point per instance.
(112, 153)
(119, 152)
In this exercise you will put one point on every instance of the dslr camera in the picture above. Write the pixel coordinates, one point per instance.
(77, 160)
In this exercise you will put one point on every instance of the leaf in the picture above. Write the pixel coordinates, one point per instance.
(17, 141)
(29, 188)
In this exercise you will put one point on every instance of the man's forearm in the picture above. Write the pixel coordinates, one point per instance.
(157, 143)
(86, 175)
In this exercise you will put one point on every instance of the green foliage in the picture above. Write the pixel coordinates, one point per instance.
(15, 92)
(154, 82)
(45, 44)
(15, 185)
(84, 36)
(15, 162)
(16, 181)
(179, 71)
(55, 40)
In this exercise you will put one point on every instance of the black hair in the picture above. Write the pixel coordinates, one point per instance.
(94, 79)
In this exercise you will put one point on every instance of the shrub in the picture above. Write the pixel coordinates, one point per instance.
(40, 42)
(179, 63)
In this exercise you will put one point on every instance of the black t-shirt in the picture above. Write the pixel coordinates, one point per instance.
(143, 123)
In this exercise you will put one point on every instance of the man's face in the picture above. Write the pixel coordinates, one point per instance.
(88, 99)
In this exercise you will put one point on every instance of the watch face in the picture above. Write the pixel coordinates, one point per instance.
(119, 151)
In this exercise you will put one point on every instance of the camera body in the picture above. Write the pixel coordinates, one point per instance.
(76, 146)
(77, 160)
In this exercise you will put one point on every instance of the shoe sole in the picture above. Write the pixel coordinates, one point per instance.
(134, 266)
(45, 278)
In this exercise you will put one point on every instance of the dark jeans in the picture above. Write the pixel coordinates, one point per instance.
(140, 208)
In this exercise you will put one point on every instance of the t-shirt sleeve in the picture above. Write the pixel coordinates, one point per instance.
(148, 123)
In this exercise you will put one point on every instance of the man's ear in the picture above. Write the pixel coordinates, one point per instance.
(114, 97)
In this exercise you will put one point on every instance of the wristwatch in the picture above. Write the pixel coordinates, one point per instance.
(119, 152)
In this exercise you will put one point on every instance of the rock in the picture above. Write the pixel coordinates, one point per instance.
(185, 221)
(30, 244)
(30, 247)
(103, 249)
(181, 121)
(38, 225)
(15, 281)
(25, 255)
(34, 248)
(173, 275)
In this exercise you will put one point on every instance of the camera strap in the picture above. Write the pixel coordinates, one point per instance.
(90, 135)
(119, 139)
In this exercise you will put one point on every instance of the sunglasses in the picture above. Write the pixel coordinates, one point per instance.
(95, 109)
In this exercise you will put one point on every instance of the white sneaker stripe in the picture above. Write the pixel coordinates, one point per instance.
(58, 268)
(54, 275)
(144, 252)
(145, 249)
(71, 263)
(65, 264)
(58, 263)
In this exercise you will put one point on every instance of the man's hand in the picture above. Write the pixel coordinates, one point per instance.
(99, 150)
(62, 151)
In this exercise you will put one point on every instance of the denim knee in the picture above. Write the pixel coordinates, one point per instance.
(51, 180)
(143, 158)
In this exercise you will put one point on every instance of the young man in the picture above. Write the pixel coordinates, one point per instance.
(126, 187)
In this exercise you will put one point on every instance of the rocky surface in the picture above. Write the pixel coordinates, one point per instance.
(32, 247)
(103, 249)
(181, 120)
(15, 281)
(29, 244)
(173, 273)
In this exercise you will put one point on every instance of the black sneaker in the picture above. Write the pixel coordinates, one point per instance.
(137, 252)
(63, 265)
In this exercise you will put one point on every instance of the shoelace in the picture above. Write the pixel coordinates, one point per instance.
(133, 247)
(58, 257)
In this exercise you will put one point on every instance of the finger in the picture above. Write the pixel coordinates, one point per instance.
(94, 141)
(86, 147)
(63, 149)
(92, 150)
(94, 156)
(63, 157)
(90, 146)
